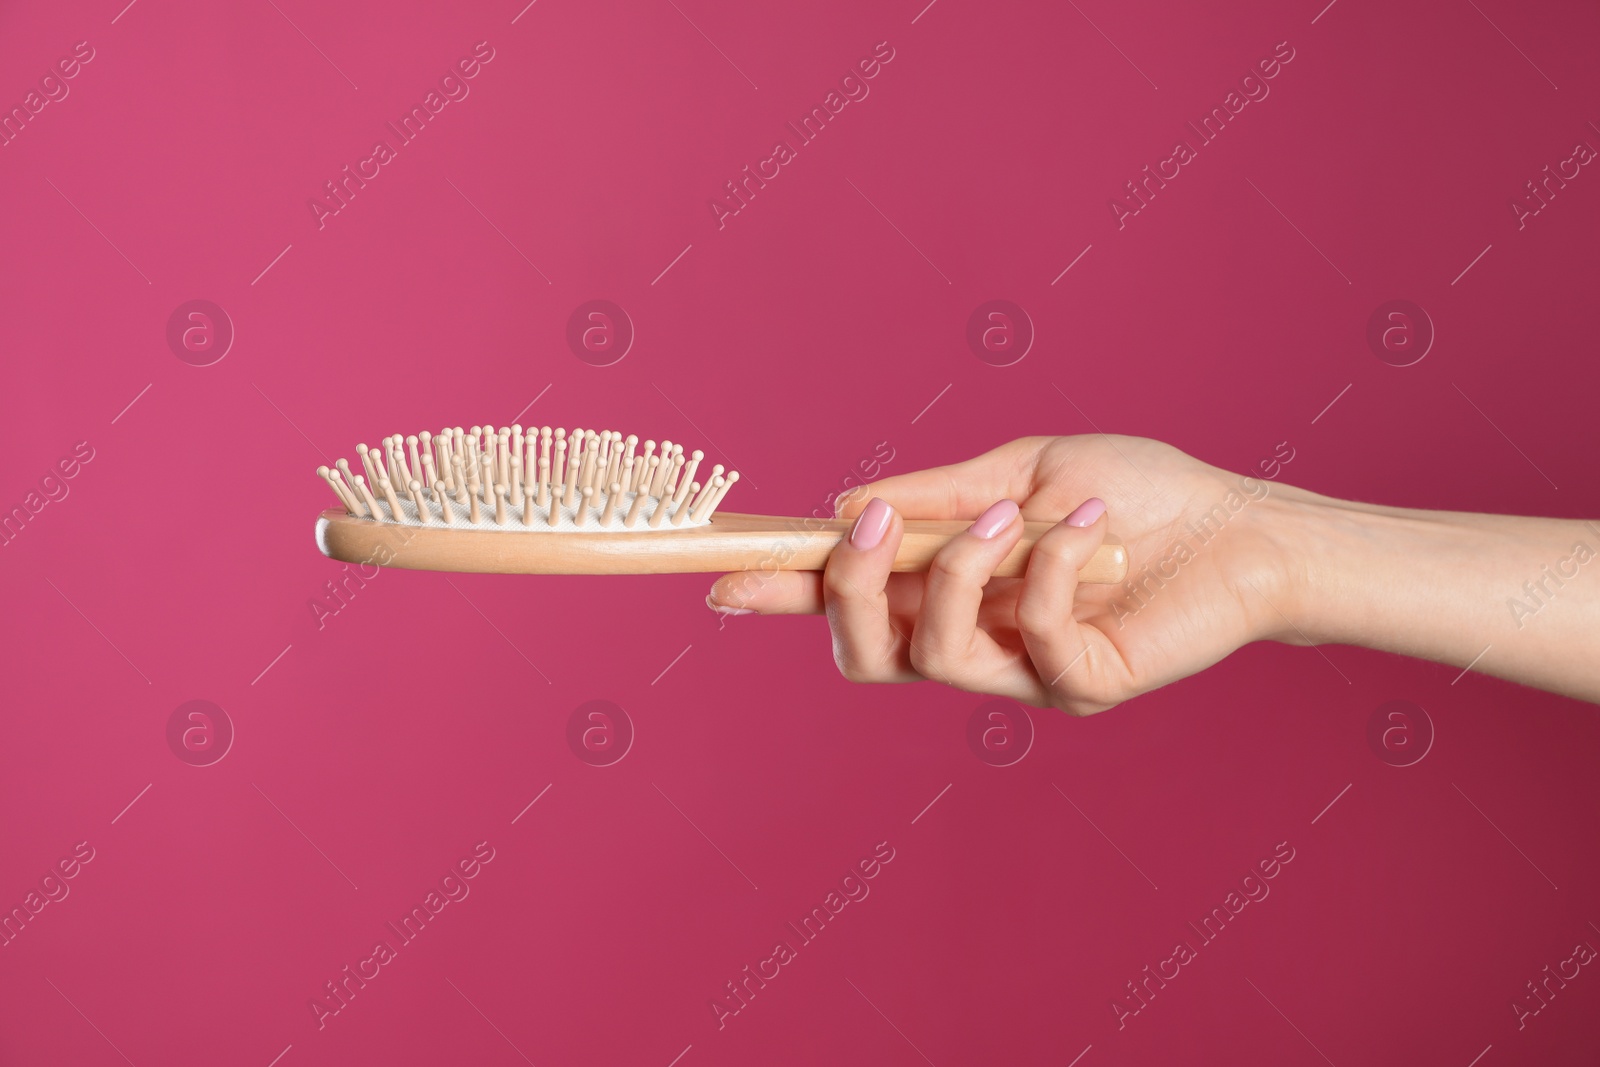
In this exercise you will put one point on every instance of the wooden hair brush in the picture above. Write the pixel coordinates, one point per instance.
(588, 502)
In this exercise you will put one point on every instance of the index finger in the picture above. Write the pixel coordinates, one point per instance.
(958, 490)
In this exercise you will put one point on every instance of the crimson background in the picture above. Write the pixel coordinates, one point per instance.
(375, 750)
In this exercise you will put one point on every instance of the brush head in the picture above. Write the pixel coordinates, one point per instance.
(544, 479)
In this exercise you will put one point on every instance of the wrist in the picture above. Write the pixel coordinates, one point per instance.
(1327, 564)
(1437, 585)
(1370, 575)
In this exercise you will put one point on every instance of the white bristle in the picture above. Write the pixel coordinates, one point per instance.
(586, 468)
(458, 471)
(326, 475)
(633, 511)
(397, 461)
(702, 506)
(670, 486)
(667, 491)
(558, 469)
(640, 468)
(658, 481)
(530, 462)
(594, 469)
(388, 495)
(506, 478)
(366, 462)
(348, 478)
(682, 511)
(659, 515)
(366, 497)
(441, 449)
(569, 495)
(649, 475)
(614, 459)
(727, 483)
(688, 474)
(353, 502)
(705, 490)
(379, 473)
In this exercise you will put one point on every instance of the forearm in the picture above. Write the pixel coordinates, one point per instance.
(1522, 595)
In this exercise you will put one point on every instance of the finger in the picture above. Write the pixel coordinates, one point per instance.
(1075, 663)
(957, 491)
(866, 646)
(780, 593)
(948, 646)
(800, 593)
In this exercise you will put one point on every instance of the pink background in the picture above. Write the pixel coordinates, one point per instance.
(373, 753)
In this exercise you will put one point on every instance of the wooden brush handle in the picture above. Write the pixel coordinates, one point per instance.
(922, 540)
(731, 542)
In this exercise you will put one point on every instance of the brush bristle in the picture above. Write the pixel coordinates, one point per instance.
(545, 479)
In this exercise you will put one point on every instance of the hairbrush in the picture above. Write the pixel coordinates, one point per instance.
(550, 501)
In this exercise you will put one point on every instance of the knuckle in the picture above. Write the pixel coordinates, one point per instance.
(849, 663)
(1053, 552)
(953, 567)
(862, 664)
(1086, 696)
(1037, 619)
(952, 491)
(837, 585)
(927, 660)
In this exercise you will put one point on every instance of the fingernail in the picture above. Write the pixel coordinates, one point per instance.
(997, 518)
(723, 610)
(1087, 512)
(871, 525)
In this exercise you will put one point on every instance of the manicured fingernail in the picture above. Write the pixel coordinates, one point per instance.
(872, 524)
(721, 609)
(997, 518)
(1087, 512)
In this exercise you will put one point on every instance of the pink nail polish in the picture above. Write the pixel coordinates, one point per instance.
(722, 610)
(872, 524)
(1087, 512)
(997, 518)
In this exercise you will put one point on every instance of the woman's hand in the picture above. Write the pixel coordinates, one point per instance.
(1205, 575)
